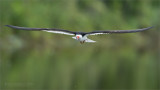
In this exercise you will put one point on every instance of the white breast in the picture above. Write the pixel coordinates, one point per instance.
(83, 38)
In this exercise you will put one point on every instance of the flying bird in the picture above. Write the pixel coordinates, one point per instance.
(80, 36)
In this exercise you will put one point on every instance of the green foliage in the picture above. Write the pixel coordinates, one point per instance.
(41, 60)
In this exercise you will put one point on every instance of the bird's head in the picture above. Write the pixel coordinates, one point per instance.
(78, 37)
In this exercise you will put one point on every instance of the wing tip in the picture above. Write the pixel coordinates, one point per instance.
(7, 25)
(150, 27)
(11, 26)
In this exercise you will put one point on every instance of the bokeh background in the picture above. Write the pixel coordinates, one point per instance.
(42, 60)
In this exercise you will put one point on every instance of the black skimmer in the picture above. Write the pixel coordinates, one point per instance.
(80, 36)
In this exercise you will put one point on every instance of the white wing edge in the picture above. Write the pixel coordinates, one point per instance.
(59, 32)
(96, 33)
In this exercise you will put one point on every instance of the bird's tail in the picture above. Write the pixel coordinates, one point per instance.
(89, 40)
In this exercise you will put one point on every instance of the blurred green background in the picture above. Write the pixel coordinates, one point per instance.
(41, 60)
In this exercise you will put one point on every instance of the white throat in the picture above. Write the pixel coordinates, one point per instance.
(79, 37)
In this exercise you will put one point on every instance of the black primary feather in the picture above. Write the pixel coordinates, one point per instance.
(40, 29)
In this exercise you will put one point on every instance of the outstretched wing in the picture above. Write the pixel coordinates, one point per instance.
(52, 30)
(116, 31)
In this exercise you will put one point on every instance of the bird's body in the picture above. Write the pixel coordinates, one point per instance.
(82, 39)
(80, 36)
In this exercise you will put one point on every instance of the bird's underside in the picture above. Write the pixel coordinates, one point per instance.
(80, 36)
